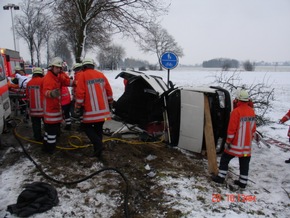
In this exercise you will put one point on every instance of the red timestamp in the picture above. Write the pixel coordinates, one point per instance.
(233, 198)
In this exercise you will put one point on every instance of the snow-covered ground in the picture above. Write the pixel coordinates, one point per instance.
(195, 197)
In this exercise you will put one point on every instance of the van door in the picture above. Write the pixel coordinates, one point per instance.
(191, 120)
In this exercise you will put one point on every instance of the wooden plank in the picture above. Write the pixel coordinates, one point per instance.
(209, 139)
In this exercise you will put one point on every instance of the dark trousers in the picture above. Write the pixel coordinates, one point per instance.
(49, 142)
(244, 166)
(94, 131)
(36, 127)
(66, 113)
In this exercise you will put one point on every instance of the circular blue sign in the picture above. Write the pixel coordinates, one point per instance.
(169, 60)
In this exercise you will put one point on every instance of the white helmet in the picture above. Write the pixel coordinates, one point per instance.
(37, 70)
(77, 66)
(57, 62)
(243, 95)
(18, 68)
(88, 61)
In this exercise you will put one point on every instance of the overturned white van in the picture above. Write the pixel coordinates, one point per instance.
(147, 99)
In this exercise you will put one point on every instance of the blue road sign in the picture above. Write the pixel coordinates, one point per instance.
(169, 60)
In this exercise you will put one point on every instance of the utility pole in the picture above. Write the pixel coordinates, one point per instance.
(15, 7)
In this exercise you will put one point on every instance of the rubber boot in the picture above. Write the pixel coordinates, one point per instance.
(241, 185)
(218, 179)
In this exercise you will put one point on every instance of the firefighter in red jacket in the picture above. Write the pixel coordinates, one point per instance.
(94, 94)
(52, 83)
(285, 118)
(35, 101)
(240, 133)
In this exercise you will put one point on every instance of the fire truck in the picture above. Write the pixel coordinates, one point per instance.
(9, 59)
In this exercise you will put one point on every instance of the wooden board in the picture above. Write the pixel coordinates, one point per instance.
(209, 139)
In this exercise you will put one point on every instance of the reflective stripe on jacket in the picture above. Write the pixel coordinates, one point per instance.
(35, 96)
(241, 129)
(94, 92)
(52, 106)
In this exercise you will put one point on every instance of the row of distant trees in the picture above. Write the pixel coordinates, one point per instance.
(221, 63)
(70, 29)
(128, 63)
(226, 64)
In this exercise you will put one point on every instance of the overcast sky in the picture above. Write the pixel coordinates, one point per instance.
(256, 30)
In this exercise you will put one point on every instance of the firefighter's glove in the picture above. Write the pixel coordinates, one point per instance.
(227, 146)
(55, 93)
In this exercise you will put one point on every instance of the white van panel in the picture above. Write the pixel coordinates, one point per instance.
(155, 82)
(191, 120)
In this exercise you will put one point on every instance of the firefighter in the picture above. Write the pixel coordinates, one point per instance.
(285, 118)
(93, 96)
(240, 133)
(52, 83)
(35, 101)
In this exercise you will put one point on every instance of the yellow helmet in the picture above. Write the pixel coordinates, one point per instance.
(88, 61)
(243, 95)
(37, 70)
(57, 62)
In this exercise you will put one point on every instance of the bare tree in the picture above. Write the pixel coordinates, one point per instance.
(47, 38)
(32, 27)
(89, 23)
(249, 66)
(25, 26)
(261, 93)
(157, 40)
(59, 47)
(41, 33)
(110, 57)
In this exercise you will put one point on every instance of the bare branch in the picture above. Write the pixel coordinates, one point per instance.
(261, 93)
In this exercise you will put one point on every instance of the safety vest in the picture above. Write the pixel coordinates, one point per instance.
(94, 92)
(65, 95)
(52, 106)
(241, 129)
(35, 97)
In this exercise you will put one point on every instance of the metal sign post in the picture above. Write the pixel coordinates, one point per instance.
(168, 60)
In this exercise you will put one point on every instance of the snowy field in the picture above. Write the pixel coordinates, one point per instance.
(268, 173)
